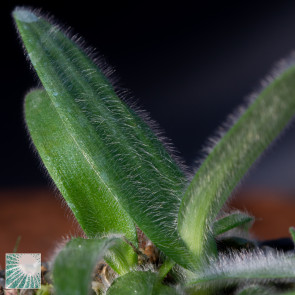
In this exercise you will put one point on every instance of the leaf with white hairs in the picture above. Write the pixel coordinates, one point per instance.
(110, 156)
(232, 157)
(246, 266)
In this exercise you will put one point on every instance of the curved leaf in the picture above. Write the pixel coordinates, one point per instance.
(73, 267)
(94, 207)
(131, 165)
(231, 158)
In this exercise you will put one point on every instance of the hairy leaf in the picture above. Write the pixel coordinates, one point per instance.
(140, 283)
(231, 221)
(117, 152)
(246, 266)
(231, 158)
(261, 290)
(256, 290)
(74, 265)
(94, 207)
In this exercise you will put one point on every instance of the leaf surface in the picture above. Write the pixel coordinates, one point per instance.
(258, 290)
(246, 266)
(73, 267)
(118, 161)
(97, 211)
(140, 283)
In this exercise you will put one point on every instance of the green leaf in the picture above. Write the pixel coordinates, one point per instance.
(231, 158)
(73, 267)
(106, 152)
(165, 268)
(17, 243)
(45, 290)
(96, 209)
(140, 283)
(245, 266)
(231, 221)
(256, 290)
(292, 233)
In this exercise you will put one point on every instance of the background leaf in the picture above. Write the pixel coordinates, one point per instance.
(231, 158)
(231, 221)
(292, 232)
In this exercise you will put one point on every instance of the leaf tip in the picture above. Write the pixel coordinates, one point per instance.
(292, 233)
(24, 15)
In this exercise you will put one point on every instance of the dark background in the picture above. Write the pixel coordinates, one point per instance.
(188, 64)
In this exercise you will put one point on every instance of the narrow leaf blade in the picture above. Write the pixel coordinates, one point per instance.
(258, 290)
(246, 266)
(231, 221)
(231, 158)
(292, 233)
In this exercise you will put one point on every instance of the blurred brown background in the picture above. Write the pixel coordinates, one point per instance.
(41, 220)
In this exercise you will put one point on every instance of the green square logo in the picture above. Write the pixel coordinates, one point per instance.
(23, 271)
